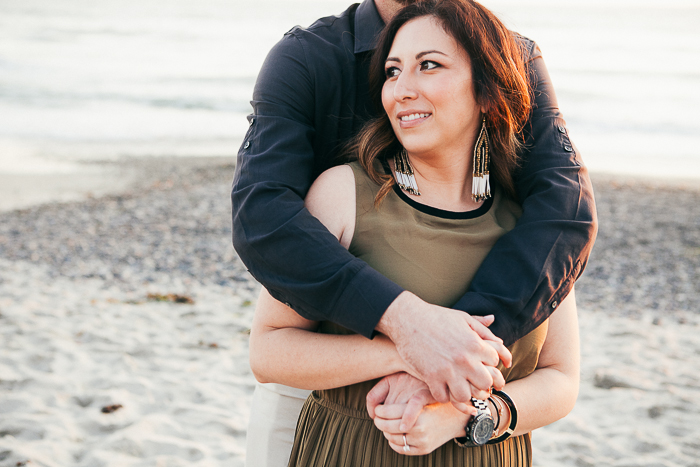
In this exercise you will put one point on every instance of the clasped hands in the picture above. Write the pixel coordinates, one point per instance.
(403, 408)
(429, 403)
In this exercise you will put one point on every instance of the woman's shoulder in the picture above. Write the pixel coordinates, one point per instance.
(331, 199)
(347, 179)
(340, 174)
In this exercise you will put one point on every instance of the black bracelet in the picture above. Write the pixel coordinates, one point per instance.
(498, 413)
(513, 417)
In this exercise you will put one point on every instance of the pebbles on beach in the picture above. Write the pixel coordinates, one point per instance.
(124, 325)
(647, 255)
(175, 228)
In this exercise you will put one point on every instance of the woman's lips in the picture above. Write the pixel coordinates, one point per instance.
(411, 119)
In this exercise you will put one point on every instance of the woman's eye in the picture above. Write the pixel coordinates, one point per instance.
(391, 72)
(428, 65)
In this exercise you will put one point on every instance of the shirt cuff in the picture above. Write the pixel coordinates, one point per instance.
(364, 301)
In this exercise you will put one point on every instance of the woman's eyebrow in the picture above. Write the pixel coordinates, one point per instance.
(418, 56)
(430, 52)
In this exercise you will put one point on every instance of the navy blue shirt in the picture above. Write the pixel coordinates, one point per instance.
(310, 97)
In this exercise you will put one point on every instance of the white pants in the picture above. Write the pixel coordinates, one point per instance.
(273, 420)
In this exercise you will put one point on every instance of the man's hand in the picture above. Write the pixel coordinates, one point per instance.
(448, 349)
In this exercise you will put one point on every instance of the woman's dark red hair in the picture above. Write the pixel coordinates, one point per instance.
(500, 79)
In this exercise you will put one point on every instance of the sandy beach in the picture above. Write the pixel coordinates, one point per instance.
(124, 323)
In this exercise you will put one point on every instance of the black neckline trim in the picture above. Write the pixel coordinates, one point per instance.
(437, 212)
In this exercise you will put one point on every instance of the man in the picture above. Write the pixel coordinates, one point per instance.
(309, 99)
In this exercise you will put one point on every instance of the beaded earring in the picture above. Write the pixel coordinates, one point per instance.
(403, 170)
(481, 188)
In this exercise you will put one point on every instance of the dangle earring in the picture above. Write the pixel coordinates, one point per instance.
(481, 188)
(403, 171)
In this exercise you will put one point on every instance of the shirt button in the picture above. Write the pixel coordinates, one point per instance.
(252, 120)
(246, 145)
(561, 129)
(555, 303)
(568, 148)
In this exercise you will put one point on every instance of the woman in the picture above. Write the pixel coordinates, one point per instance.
(417, 208)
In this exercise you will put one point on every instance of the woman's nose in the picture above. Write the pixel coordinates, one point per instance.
(405, 87)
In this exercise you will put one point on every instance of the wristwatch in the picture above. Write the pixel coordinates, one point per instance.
(479, 428)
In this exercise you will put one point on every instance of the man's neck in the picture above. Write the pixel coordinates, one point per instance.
(387, 9)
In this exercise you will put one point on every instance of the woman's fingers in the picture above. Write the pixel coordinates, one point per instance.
(503, 353)
(413, 410)
(389, 426)
(461, 389)
(392, 432)
(406, 414)
(467, 408)
(390, 411)
(483, 332)
(412, 451)
(479, 325)
(478, 394)
(485, 320)
(377, 395)
(396, 439)
(498, 381)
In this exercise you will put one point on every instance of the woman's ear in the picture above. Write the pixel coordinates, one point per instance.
(483, 104)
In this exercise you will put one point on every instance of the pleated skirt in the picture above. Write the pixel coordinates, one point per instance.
(333, 435)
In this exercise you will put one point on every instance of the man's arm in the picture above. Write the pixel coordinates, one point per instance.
(285, 248)
(301, 264)
(533, 267)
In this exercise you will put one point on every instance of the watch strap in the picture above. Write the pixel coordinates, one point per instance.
(482, 408)
(480, 405)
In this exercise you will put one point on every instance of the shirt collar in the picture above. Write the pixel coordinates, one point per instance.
(368, 25)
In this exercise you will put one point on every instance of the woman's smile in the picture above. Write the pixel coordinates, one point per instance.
(411, 119)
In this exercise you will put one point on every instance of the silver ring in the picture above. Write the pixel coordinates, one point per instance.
(406, 447)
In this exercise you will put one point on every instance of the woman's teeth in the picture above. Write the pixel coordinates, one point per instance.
(408, 118)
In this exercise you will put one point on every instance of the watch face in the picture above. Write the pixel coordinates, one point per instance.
(482, 429)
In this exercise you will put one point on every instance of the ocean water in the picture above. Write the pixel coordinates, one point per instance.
(94, 80)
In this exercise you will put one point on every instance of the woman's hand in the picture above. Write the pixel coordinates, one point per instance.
(400, 388)
(437, 424)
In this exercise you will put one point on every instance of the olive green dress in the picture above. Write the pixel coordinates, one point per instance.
(434, 254)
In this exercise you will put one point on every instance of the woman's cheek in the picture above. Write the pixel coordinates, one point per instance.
(387, 97)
